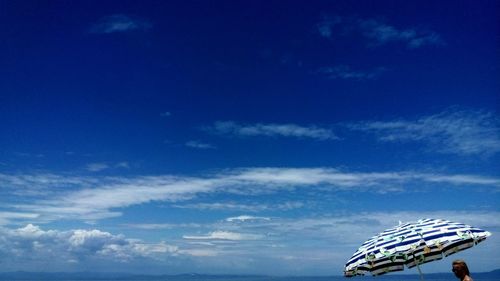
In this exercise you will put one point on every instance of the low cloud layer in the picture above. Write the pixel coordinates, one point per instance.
(329, 240)
(30, 244)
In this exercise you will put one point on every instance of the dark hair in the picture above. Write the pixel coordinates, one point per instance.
(463, 265)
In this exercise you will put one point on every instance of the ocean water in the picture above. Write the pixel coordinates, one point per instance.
(266, 278)
(85, 276)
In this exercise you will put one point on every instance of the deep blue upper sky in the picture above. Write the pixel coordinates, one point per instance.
(210, 130)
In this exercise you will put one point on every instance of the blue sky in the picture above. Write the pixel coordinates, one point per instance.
(234, 137)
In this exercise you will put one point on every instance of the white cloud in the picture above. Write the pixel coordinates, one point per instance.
(322, 242)
(326, 240)
(463, 132)
(125, 165)
(352, 229)
(119, 23)
(200, 252)
(256, 207)
(347, 73)
(33, 243)
(244, 218)
(382, 33)
(97, 167)
(99, 199)
(36, 185)
(199, 145)
(155, 226)
(325, 26)
(224, 235)
(8, 217)
(272, 130)
(377, 32)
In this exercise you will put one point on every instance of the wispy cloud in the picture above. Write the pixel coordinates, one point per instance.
(382, 33)
(224, 235)
(377, 32)
(238, 206)
(8, 217)
(100, 199)
(199, 145)
(347, 231)
(125, 165)
(244, 218)
(98, 167)
(154, 226)
(326, 26)
(271, 130)
(347, 73)
(291, 238)
(463, 132)
(119, 23)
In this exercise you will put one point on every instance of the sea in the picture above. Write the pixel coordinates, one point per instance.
(195, 277)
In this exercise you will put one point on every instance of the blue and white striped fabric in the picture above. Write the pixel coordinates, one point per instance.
(412, 244)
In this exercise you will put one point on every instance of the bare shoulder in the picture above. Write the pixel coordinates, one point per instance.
(467, 278)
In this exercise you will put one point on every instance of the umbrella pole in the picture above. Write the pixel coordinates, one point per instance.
(420, 272)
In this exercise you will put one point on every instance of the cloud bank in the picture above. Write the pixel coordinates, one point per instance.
(32, 245)
(319, 241)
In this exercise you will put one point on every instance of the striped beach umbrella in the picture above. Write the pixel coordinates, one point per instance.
(412, 244)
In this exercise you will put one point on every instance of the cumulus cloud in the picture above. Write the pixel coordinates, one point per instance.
(271, 130)
(462, 132)
(119, 23)
(73, 246)
(377, 32)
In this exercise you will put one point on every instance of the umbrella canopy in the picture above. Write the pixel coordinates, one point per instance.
(412, 244)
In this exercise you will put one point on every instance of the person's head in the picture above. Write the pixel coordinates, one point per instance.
(460, 268)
